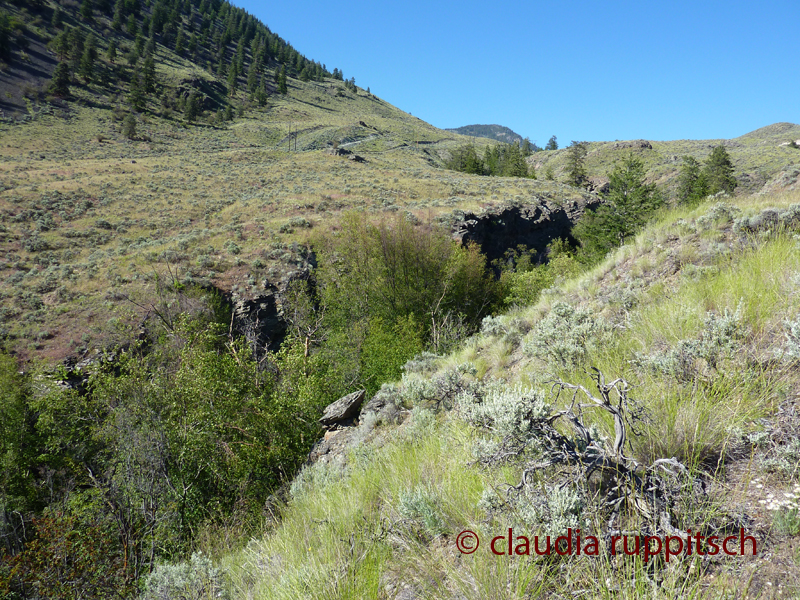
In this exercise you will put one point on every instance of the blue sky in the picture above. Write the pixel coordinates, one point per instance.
(580, 70)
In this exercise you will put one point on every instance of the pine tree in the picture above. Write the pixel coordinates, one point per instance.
(111, 53)
(136, 95)
(692, 185)
(149, 74)
(719, 172)
(192, 110)
(59, 84)
(133, 27)
(552, 144)
(252, 77)
(77, 43)
(88, 58)
(58, 18)
(61, 44)
(282, 87)
(261, 94)
(119, 15)
(180, 43)
(233, 80)
(629, 204)
(129, 127)
(527, 147)
(576, 168)
(87, 10)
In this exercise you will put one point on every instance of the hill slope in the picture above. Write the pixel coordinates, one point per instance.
(492, 132)
(762, 159)
(227, 198)
(695, 313)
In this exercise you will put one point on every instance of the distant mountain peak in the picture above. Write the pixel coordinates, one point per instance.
(493, 132)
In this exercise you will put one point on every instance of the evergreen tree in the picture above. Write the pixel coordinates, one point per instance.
(139, 43)
(513, 163)
(133, 27)
(718, 172)
(192, 110)
(233, 80)
(77, 43)
(87, 10)
(88, 58)
(149, 74)
(61, 44)
(465, 159)
(252, 77)
(136, 95)
(193, 46)
(58, 18)
(132, 57)
(629, 204)
(111, 53)
(576, 168)
(282, 87)
(129, 127)
(261, 94)
(692, 185)
(59, 84)
(552, 144)
(180, 43)
(527, 147)
(119, 15)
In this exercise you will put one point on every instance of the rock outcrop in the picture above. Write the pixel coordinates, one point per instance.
(344, 409)
(535, 225)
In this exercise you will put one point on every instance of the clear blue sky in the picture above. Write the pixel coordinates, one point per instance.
(580, 70)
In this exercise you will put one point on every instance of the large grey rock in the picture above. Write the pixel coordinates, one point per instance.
(344, 408)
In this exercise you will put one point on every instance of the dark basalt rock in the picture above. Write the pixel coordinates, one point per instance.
(535, 225)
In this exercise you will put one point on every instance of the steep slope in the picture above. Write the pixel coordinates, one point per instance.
(699, 314)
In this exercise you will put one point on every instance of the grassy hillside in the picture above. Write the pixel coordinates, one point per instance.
(92, 217)
(762, 159)
(493, 132)
(699, 314)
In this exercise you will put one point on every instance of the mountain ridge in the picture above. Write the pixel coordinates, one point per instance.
(498, 133)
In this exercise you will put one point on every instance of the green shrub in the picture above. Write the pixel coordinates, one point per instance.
(503, 409)
(721, 337)
(196, 579)
(421, 506)
(564, 337)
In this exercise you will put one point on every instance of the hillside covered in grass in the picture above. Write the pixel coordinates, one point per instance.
(698, 314)
(766, 159)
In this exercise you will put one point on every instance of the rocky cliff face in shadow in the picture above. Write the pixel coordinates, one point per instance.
(535, 225)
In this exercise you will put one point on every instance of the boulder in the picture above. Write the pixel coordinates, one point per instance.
(344, 408)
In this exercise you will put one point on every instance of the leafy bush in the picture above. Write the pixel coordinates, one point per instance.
(564, 337)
